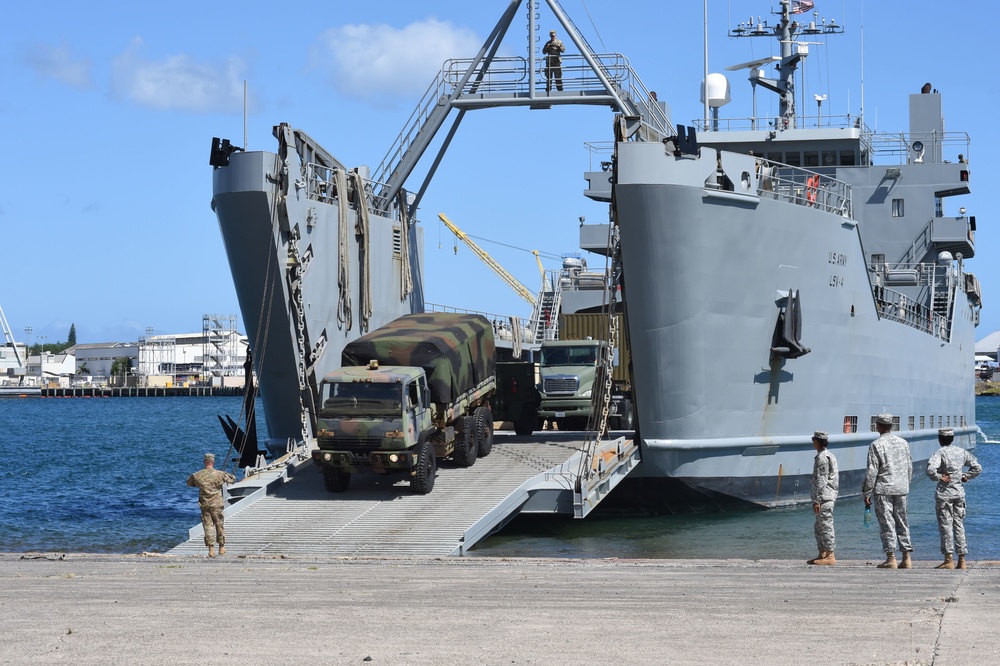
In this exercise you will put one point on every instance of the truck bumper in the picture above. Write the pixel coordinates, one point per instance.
(382, 462)
(558, 410)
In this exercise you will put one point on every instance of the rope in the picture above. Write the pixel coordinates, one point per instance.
(364, 240)
(515, 327)
(344, 313)
(405, 276)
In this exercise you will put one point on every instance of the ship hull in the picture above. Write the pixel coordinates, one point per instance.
(706, 272)
(285, 266)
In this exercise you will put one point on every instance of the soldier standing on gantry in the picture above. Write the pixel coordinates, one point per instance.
(553, 51)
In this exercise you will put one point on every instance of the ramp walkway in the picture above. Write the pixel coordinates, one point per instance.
(289, 512)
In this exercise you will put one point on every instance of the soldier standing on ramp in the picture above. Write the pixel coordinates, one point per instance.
(825, 486)
(945, 467)
(890, 469)
(209, 482)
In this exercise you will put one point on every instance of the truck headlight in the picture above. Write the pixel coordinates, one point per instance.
(393, 458)
(586, 394)
(327, 457)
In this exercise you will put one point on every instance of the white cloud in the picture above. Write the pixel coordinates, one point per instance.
(379, 62)
(59, 63)
(178, 82)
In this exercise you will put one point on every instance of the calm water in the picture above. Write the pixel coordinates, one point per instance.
(107, 475)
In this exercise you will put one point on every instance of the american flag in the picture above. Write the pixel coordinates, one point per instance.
(802, 6)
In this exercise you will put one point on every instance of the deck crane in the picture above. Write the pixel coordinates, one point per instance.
(9, 338)
(511, 281)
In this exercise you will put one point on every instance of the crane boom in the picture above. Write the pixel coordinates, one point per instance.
(511, 281)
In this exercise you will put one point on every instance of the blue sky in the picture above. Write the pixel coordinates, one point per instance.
(109, 110)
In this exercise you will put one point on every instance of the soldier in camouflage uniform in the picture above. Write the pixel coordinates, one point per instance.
(945, 467)
(209, 482)
(553, 51)
(890, 469)
(825, 486)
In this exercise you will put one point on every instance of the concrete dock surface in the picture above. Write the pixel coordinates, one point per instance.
(155, 609)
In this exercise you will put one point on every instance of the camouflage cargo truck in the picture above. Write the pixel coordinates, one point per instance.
(413, 391)
(568, 371)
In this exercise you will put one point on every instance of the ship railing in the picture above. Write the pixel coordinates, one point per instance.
(803, 187)
(502, 324)
(320, 184)
(899, 307)
(898, 147)
(752, 123)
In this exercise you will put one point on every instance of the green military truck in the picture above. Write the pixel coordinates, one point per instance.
(413, 391)
(568, 370)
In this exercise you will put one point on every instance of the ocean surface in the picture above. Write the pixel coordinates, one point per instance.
(106, 475)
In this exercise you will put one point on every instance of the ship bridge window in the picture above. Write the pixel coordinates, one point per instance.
(829, 158)
(793, 159)
(847, 158)
(897, 208)
(774, 157)
(811, 158)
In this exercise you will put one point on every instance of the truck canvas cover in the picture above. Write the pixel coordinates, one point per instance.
(456, 351)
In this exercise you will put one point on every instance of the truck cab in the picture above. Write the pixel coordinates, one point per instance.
(567, 370)
(371, 418)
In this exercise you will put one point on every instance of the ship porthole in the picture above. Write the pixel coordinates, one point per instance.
(745, 181)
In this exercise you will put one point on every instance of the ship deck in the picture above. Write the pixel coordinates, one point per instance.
(287, 511)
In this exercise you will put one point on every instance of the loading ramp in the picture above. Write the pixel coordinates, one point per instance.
(287, 511)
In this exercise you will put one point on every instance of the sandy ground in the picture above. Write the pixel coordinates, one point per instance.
(155, 609)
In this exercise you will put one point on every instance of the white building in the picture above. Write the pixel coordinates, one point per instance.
(55, 370)
(95, 359)
(13, 362)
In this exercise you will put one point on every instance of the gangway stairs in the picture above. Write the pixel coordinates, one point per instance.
(289, 512)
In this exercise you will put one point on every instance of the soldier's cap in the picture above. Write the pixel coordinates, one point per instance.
(884, 419)
(820, 436)
(946, 432)
(210, 456)
(552, 32)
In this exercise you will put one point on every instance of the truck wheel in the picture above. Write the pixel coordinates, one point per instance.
(466, 447)
(423, 481)
(627, 419)
(484, 430)
(335, 479)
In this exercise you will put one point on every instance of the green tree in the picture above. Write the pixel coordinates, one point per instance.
(71, 338)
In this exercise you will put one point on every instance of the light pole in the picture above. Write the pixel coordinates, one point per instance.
(27, 334)
(41, 351)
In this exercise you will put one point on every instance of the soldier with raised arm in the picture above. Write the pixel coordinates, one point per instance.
(945, 466)
(209, 482)
(890, 469)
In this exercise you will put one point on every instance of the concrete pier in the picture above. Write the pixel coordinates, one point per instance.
(87, 609)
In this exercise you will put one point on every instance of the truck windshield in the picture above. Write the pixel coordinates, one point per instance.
(581, 355)
(361, 399)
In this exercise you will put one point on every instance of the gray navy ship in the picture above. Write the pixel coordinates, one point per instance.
(779, 276)
(789, 274)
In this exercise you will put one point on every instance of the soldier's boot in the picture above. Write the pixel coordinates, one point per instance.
(816, 559)
(948, 563)
(906, 563)
(211, 551)
(222, 550)
(961, 562)
(890, 562)
(827, 558)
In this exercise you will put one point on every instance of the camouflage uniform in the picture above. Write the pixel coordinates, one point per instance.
(890, 468)
(825, 487)
(209, 483)
(553, 51)
(950, 496)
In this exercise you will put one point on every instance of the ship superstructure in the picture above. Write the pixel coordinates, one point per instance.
(783, 276)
